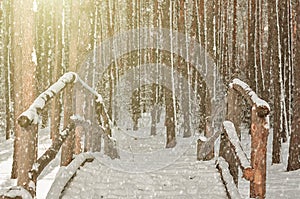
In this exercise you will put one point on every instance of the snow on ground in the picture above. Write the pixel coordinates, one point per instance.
(47, 176)
(147, 170)
(280, 184)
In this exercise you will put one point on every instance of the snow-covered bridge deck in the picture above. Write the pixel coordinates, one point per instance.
(185, 177)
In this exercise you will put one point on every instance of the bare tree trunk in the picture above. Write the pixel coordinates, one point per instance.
(68, 146)
(25, 150)
(8, 70)
(293, 160)
(170, 120)
(56, 105)
(274, 57)
(251, 44)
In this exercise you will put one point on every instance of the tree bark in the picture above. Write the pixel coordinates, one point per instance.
(274, 57)
(25, 150)
(294, 149)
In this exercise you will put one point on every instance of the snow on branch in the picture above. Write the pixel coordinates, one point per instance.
(233, 138)
(31, 115)
(252, 98)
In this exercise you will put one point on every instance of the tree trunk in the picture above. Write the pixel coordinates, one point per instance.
(24, 85)
(25, 150)
(251, 44)
(170, 120)
(274, 58)
(293, 160)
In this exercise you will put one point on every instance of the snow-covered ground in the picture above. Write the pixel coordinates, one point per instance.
(280, 184)
(45, 179)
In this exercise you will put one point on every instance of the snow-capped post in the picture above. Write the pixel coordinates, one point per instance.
(259, 136)
(110, 148)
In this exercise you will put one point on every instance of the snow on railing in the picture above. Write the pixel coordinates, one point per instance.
(232, 190)
(31, 115)
(260, 110)
(30, 118)
(230, 146)
(233, 138)
(65, 174)
(252, 98)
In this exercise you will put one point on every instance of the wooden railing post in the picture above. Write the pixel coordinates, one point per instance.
(259, 134)
(68, 146)
(28, 156)
(259, 137)
(227, 153)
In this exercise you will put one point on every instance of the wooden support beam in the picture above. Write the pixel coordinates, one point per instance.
(262, 107)
(259, 135)
(31, 114)
(51, 152)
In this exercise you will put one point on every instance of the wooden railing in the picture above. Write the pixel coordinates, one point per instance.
(232, 154)
(28, 121)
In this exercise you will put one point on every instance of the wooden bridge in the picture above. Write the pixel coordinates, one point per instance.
(195, 172)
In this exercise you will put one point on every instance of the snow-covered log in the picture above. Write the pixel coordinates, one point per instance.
(239, 153)
(228, 181)
(65, 174)
(263, 107)
(31, 115)
(233, 138)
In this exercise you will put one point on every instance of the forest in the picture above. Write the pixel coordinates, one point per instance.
(105, 42)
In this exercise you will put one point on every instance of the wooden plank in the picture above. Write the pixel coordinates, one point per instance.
(231, 189)
(65, 174)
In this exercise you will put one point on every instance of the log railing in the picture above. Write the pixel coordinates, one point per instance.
(28, 121)
(231, 151)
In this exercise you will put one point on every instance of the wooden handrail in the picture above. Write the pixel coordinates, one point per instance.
(260, 110)
(51, 152)
(31, 115)
(231, 150)
(263, 108)
(233, 138)
(29, 119)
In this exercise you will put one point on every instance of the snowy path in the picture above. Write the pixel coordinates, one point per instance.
(162, 173)
(173, 178)
(183, 179)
